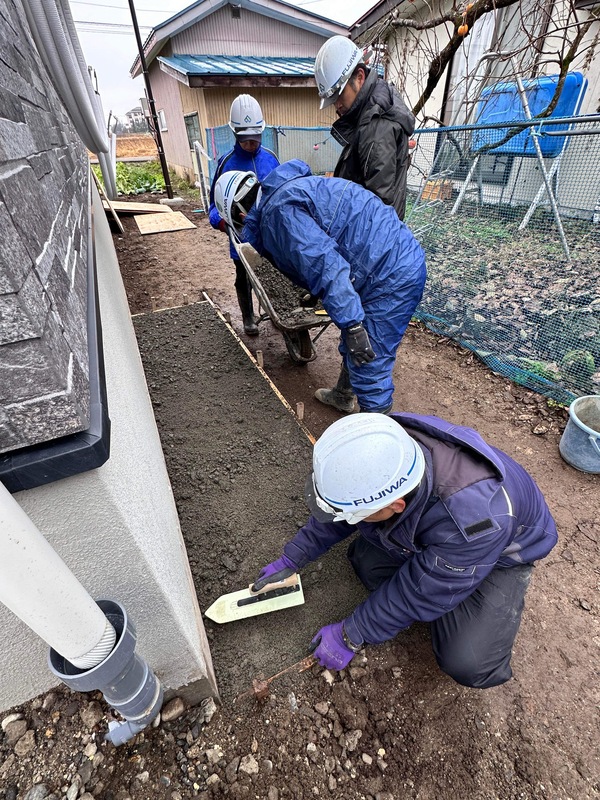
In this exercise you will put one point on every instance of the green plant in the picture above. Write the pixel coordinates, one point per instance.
(181, 186)
(540, 368)
(139, 178)
(578, 364)
(555, 404)
(135, 178)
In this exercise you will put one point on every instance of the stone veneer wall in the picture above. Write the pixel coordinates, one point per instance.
(44, 385)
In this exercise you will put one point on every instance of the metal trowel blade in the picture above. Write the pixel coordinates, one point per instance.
(245, 603)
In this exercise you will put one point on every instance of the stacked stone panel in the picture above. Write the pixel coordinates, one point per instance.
(44, 219)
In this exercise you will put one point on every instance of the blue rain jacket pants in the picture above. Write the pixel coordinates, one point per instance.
(344, 245)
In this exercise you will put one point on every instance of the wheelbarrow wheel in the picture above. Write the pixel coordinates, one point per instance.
(299, 346)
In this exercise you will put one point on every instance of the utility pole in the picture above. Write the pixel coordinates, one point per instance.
(157, 136)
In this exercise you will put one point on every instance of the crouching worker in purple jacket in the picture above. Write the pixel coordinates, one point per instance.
(448, 529)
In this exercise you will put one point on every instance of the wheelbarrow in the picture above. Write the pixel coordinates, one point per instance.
(294, 328)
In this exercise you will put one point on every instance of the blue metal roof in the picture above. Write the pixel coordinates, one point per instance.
(240, 65)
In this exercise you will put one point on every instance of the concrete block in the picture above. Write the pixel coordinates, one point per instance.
(171, 201)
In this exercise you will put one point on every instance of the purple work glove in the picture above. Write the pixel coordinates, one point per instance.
(330, 649)
(275, 571)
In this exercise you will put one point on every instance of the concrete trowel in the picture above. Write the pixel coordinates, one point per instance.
(246, 603)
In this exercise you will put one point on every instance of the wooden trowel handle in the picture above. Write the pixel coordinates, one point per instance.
(291, 581)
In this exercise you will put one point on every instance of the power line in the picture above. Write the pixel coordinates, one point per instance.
(121, 8)
(108, 24)
(104, 33)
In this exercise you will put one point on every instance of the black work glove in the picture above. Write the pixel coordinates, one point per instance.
(358, 344)
(309, 300)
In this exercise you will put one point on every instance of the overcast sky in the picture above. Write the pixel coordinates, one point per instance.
(111, 49)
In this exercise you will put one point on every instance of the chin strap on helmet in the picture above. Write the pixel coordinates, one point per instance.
(235, 194)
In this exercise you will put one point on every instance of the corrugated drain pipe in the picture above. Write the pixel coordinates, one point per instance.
(92, 644)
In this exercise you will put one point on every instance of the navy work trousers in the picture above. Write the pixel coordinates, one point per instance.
(473, 642)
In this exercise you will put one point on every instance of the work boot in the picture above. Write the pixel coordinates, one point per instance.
(247, 309)
(341, 396)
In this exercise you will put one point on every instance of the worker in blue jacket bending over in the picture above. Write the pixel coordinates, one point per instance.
(448, 530)
(347, 248)
(247, 123)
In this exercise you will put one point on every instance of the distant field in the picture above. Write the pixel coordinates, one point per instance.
(139, 144)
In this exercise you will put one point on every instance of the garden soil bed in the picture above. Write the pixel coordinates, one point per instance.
(392, 726)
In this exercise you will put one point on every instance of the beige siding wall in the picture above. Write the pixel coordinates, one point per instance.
(251, 35)
(288, 107)
(220, 34)
(295, 107)
(167, 96)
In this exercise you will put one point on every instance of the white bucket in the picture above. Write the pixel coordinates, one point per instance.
(580, 442)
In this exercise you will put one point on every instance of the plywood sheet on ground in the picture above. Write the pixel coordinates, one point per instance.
(161, 223)
(123, 207)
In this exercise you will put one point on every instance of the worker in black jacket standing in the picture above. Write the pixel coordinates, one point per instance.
(374, 124)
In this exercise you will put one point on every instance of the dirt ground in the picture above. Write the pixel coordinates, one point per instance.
(391, 726)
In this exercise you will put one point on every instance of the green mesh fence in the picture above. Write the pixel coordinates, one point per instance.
(513, 257)
(512, 240)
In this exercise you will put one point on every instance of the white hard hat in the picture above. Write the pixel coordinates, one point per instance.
(361, 464)
(335, 62)
(246, 118)
(235, 194)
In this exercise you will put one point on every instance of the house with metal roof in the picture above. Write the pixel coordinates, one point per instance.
(200, 59)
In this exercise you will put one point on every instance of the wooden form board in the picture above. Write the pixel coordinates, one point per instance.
(123, 207)
(161, 223)
(106, 202)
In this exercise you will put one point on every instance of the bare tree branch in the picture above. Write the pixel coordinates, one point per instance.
(441, 61)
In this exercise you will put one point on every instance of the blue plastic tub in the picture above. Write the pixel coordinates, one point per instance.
(502, 103)
(580, 443)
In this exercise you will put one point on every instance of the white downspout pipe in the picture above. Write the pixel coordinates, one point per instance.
(92, 644)
(55, 36)
(37, 586)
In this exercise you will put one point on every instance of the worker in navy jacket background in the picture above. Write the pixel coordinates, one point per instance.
(448, 530)
(247, 123)
(346, 247)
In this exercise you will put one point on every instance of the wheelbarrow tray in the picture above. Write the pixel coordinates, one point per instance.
(287, 325)
(249, 257)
